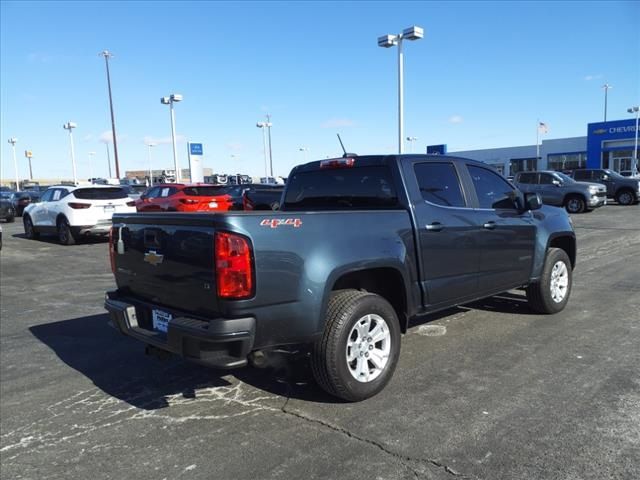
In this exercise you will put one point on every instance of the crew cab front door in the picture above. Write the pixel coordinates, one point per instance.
(506, 236)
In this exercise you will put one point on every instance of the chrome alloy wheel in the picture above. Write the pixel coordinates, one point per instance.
(559, 282)
(368, 348)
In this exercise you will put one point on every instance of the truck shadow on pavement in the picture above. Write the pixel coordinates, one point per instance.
(118, 365)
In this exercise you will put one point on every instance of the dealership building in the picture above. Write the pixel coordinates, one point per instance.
(606, 145)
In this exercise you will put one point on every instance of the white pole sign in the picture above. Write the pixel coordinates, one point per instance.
(195, 162)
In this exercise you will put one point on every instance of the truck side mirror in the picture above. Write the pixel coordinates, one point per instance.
(605, 177)
(532, 201)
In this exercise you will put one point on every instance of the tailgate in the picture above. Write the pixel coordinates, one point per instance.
(167, 260)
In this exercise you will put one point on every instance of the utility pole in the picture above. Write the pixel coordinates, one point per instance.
(270, 152)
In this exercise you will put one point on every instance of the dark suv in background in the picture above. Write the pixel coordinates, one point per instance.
(560, 190)
(625, 191)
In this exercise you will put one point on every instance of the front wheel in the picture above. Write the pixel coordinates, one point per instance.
(551, 293)
(360, 346)
(575, 204)
(29, 230)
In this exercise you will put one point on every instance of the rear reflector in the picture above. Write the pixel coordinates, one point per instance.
(79, 206)
(234, 267)
(338, 163)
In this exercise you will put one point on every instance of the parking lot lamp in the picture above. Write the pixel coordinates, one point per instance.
(386, 41)
(149, 145)
(91, 154)
(13, 141)
(411, 140)
(70, 126)
(305, 150)
(606, 88)
(263, 126)
(170, 100)
(634, 163)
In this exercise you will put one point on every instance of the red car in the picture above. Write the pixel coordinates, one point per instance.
(178, 197)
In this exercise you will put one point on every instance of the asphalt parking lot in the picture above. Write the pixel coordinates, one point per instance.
(488, 391)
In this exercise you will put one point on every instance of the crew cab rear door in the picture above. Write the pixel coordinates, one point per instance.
(446, 230)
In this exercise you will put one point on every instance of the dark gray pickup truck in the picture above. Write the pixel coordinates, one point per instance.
(360, 246)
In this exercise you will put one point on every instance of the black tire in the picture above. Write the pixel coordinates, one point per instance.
(575, 204)
(10, 218)
(29, 230)
(65, 235)
(625, 197)
(540, 295)
(329, 363)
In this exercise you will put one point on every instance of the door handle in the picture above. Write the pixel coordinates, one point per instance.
(434, 227)
(490, 225)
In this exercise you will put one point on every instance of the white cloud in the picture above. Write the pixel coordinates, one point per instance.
(163, 140)
(338, 123)
(456, 119)
(593, 77)
(106, 137)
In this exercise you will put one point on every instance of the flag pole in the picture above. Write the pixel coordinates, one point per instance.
(537, 141)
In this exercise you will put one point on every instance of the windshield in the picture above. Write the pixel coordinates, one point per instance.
(565, 178)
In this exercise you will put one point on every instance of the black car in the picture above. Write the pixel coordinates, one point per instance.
(7, 210)
(21, 199)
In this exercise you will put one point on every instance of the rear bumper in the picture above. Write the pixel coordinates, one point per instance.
(217, 343)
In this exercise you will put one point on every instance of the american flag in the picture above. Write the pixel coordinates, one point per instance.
(543, 128)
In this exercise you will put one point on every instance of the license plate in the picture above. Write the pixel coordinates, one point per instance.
(109, 209)
(161, 320)
(213, 205)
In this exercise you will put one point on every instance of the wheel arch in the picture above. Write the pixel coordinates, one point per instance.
(566, 242)
(386, 281)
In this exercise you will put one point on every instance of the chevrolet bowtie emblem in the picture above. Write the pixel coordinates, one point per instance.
(153, 258)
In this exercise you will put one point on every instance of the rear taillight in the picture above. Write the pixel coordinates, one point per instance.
(112, 251)
(234, 272)
(79, 206)
(132, 203)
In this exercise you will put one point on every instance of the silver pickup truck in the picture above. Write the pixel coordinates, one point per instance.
(560, 190)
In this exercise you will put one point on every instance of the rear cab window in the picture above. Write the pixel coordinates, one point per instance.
(439, 184)
(100, 193)
(358, 187)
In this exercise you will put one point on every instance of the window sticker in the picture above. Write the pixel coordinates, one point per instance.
(56, 194)
(165, 192)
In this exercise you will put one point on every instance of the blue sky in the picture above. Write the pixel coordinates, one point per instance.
(480, 78)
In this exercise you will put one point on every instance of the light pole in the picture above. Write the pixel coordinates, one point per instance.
(149, 145)
(269, 124)
(411, 140)
(70, 126)
(386, 41)
(107, 55)
(263, 126)
(108, 159)
(606, 88)
(28, 154)
(305, 150)
(91, 154)
(13, 141)
(170, 100)
(634, 163)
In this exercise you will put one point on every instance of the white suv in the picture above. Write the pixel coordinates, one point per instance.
(71, 212)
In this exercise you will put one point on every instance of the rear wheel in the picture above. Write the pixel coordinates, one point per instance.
(360, 346)
(65, 236)
(11, 217)
(29, 230)
(575, 204)
(625, 197)
(551, 293)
